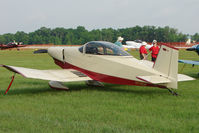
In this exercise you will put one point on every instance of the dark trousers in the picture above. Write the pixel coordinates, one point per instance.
(141, 56)
(153, 59)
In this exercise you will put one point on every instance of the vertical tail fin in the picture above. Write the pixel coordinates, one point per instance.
(167, 63)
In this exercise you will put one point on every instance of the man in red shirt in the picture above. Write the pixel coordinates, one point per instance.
(143, 52)
(155, 49)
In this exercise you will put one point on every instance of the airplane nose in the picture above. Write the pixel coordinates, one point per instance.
(56, 52)
(40, 51)
(191, 49)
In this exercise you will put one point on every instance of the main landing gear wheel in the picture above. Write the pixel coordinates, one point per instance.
(94, 83)
(57, 85)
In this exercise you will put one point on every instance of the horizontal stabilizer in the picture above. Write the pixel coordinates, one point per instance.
(62, 75)
(182, 77)
(155, 79)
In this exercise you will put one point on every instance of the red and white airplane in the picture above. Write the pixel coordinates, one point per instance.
(11, 45)
(100, 61)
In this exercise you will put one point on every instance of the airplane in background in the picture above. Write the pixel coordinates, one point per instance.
(99, 61)
(136, 44)
(188, 42)
(11, 45)
(193, 48)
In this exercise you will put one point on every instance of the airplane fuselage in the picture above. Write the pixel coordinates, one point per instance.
(104, 68)
(3, 47)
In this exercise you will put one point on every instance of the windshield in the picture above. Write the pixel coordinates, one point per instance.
(103, 48)
(195, 46)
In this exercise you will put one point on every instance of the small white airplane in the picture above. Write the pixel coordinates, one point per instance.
(136, 44)
(188, 42)
(100, 61)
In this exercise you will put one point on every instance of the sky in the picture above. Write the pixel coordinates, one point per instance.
(30, 15)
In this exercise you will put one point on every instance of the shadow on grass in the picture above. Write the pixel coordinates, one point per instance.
(129, 89)
(78, 87)
(33, 91)
(193, 75)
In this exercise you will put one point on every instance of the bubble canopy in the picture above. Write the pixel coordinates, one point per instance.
(103, 48)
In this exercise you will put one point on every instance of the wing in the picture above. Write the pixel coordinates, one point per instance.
(148, 46)
(63, 75)
(3, 47)
(132, 44)
(137, 46)
(189, 62)
(127, 46)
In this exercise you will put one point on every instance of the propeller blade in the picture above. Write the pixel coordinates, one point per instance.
(40, 51)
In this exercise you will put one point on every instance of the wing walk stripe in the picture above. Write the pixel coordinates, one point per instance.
(79, 74)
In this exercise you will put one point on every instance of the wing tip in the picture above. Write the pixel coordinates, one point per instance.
(10, 68)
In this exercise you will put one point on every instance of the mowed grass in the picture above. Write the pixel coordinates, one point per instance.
(32, 106)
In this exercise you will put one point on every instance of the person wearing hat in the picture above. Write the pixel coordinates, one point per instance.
(119, 41)
(143, 51)
(154, 50)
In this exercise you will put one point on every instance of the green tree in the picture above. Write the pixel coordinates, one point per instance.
(2, 39)
(80, 35)
(195, 37)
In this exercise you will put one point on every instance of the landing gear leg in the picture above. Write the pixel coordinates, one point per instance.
(173, 92)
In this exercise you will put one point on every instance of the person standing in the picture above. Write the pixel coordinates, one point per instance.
(119, 41)
(154, 50)
(143, 52)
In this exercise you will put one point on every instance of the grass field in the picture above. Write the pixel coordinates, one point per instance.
(32, 106)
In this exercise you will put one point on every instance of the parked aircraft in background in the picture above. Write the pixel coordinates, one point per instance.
(193, 48)
(188, 42)
(100, 61)
(136, 44)
(11, 45)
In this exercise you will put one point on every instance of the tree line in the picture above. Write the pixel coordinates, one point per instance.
(80, 35)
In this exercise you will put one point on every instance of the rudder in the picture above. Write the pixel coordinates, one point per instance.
(167, 64)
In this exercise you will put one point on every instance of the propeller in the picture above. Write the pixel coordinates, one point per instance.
(191, 49)
(194, 48)
(40, 51)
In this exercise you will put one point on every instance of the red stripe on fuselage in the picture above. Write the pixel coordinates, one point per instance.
(104, 78)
